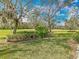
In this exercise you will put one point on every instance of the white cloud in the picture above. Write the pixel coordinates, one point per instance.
(24, 19)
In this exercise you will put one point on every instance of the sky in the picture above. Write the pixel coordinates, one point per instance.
(63, 14)
(60, 16)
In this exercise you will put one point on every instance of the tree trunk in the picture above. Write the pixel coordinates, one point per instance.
(15, 27)
(49, 25)
(14, 30)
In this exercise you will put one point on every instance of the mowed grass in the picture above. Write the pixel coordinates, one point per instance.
(55, 47)
(4, 33)
(37, 49)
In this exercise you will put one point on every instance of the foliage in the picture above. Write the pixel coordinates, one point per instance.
(76, 37)
(41, 31)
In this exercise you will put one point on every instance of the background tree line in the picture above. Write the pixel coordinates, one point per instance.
(12, 13)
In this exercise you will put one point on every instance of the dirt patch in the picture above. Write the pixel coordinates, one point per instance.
(3, 41)
(73, 45)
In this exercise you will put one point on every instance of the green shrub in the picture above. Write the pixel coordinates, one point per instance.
(76, 37)
(41, 31)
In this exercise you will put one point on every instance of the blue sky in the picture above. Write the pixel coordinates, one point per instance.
(61, 16)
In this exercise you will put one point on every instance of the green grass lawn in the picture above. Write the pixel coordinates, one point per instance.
(55, 47)
(4, 33)
(36, 49)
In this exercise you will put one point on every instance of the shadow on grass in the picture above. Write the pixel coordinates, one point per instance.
(57, 41)
(49, 41)
(25, 32)
(10, 51)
